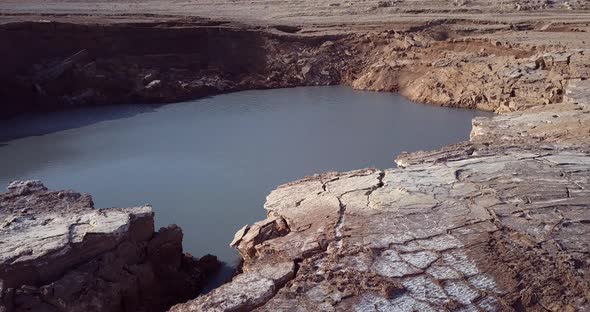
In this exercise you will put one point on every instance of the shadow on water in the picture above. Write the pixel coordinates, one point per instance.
(45, 123)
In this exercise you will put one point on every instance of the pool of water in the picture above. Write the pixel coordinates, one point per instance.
(208, 164)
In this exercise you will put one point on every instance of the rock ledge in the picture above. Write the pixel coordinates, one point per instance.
(499, 223)
(58, 253)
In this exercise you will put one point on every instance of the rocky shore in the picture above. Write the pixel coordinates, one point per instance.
(59, 253)
(67, 62)
(498, 223)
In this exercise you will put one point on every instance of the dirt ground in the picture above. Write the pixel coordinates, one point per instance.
(311, 12)
(520, 21)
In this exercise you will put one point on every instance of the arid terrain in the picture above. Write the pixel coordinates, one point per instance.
(327, 12)
(498, 223)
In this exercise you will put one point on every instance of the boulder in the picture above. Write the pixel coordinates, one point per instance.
(59, 253)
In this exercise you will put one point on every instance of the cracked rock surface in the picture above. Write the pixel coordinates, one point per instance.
(58, 253)
(499, 223)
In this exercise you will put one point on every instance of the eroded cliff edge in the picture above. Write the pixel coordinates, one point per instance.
(58, 253)
(53, 62)
(499, 223)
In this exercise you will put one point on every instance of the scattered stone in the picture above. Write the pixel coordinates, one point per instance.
(153, 84)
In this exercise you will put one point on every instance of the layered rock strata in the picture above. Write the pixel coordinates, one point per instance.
(499, 223)
(59, 64)
(58, 253)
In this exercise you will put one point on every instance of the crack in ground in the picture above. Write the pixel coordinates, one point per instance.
(342, 206)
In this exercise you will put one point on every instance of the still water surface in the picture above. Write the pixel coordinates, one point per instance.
(208, 164)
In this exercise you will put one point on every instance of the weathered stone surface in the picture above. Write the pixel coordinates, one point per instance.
(499, 223)
(58, 253)
(247, 238)
(247, 291)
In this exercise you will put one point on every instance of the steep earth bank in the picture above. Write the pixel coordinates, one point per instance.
(54, 65)
(58, 253)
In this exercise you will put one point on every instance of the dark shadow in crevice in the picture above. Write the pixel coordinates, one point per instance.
(225, 274)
